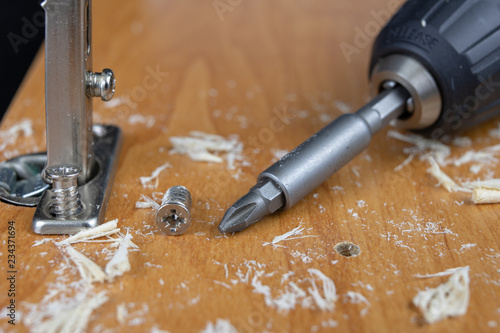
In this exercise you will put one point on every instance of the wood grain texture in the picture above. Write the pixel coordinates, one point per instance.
(233, 74)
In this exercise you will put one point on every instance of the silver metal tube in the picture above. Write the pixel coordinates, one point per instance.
(68, 107)
(323, 154)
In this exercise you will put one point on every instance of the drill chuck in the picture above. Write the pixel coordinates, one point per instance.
(447, 55)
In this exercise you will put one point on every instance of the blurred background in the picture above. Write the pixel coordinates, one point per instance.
(21, 35)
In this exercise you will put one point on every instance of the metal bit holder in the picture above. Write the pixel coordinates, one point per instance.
(81, 158)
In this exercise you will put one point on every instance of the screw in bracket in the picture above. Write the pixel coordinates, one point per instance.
(101, 84)
(65, 198)
(174, 217)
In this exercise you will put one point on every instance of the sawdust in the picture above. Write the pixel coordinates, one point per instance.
(68, 305)
(316, 291)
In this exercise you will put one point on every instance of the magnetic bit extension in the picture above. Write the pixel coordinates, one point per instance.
(291, 178)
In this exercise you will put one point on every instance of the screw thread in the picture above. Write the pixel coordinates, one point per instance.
(177, 195)
(65, 198)
(65, 202)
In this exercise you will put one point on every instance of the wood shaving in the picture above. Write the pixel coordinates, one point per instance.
(443, 178)
(447, 272)
(485, 196)
(495, 132)
(485, 191)
(462, 141)
(467, 246)
(145, 181)
(296, 231)
(483, 156)
(106, 229)
(286, 236)
(121, 313)
(220, 326)
(492, 184)
(203, 147)
(405, 162)
(278, 153)
(330, 323)
(119, 264)
(143, 204)
(158, 330)
(66, 315)
(149, 121)
(286, 301)
(147, 203)
(423, 147)
(357, 298)
(321, 296)
(449, 299)
(71, 313)
(342, 106)
(327, 301)
(475, 169)
(41, 242)
(24, 127)
(89, 270)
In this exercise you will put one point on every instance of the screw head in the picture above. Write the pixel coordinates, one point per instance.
(63, 171)
(107, 84)
(173, 219)
(63, 176)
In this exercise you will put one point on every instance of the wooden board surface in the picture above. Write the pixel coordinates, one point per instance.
(241, 67)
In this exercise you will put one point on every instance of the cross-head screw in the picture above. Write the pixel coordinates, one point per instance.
(174, 217)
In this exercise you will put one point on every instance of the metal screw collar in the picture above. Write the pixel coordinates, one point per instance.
(174, 217)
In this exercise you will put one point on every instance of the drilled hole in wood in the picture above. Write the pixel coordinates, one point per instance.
(347, 249)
